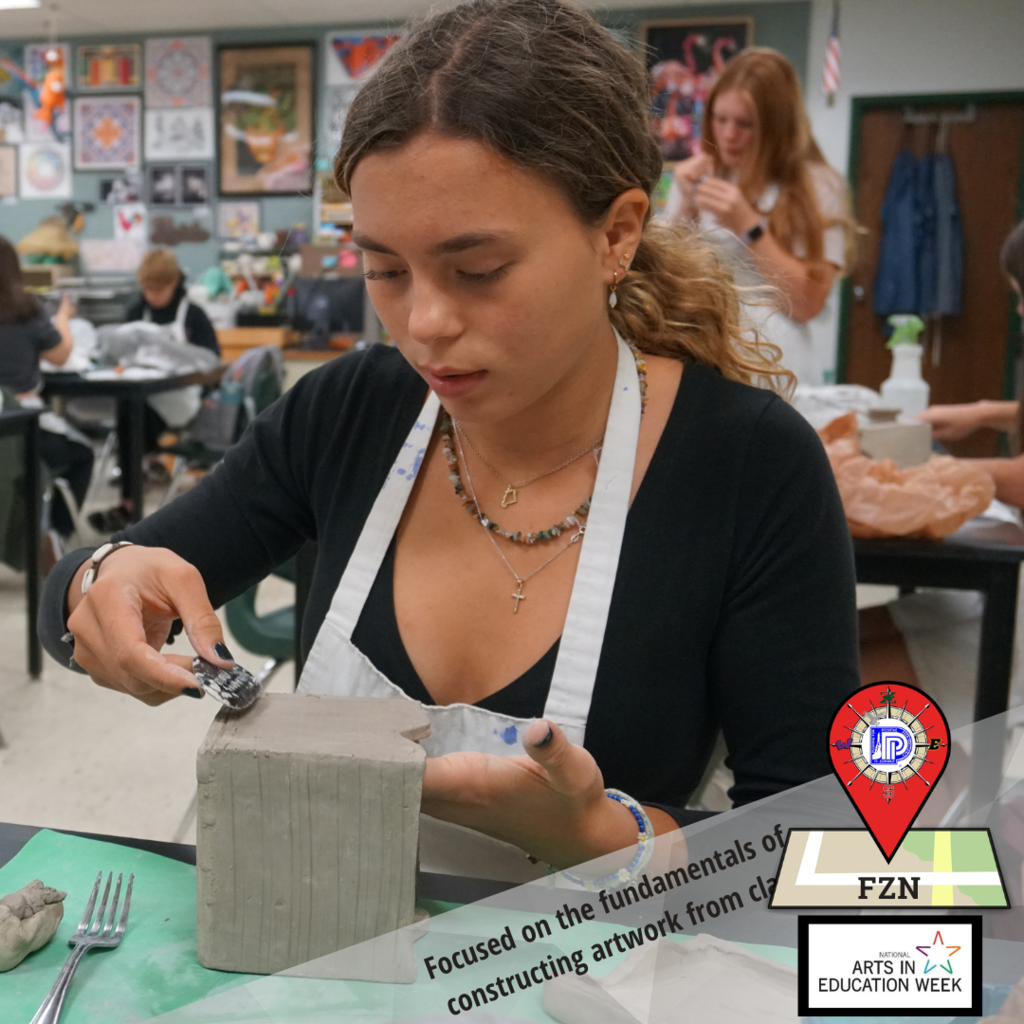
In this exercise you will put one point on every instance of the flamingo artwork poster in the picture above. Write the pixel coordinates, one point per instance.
(684, 57)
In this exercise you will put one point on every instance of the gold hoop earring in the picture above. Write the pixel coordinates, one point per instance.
(613, 299)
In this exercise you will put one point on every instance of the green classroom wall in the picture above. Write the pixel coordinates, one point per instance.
(784, 26)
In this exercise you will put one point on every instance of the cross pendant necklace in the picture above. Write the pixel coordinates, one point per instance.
(509, 497)
(518, 596)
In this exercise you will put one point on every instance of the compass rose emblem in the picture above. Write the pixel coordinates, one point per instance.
(889, 744)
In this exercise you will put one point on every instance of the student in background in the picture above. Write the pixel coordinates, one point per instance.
(163, 301)
(26, 335)
(762, 190)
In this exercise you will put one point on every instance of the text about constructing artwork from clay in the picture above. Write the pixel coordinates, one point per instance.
(519, 960)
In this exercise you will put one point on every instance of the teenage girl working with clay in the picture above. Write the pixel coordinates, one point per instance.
(762, 192)
(690, 567)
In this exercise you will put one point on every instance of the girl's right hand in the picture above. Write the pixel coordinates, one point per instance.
(123, 622)
(688, 172)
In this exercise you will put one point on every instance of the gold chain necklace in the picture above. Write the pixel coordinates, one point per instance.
(472, 505)
(520, 580)
(510, 497)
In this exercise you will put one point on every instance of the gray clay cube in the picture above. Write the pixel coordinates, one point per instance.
(308, 828)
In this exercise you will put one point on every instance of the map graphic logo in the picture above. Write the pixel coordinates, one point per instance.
(889, 745)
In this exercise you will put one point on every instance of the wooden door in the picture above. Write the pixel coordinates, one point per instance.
(972, 359)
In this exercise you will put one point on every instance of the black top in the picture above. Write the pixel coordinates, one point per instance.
(733, 606)
(198, 329)
(20, 348)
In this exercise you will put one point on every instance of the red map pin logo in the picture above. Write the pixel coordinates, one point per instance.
(889, 744)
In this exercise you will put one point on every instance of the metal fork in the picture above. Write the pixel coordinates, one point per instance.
(89, 934)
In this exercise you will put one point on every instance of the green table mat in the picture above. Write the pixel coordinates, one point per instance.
(155, 973)
(155, 968)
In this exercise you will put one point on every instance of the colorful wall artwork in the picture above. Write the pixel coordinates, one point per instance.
(238, 220)
(8, 171)
(178, 72)
(45, 170)
(684, 59)
(11, 54)
(107, 132)
(107, 68)
(352, 56)
(265, 132)
(185, 134)
(35, 59)
(130, 222)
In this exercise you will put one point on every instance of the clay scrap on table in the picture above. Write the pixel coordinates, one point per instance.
(28, 920)
(308, 828)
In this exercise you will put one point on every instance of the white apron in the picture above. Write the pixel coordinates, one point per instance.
(177, 408)
(338, 668)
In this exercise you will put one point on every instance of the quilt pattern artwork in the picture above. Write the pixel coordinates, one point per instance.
(107, 132)
(109, 67)
(178, 72)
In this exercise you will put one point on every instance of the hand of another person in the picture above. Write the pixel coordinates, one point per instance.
(686, 175)
(728, 204)
(953, 422)
(689, 171)
(123, 622)
(549, 802)
(66, 309)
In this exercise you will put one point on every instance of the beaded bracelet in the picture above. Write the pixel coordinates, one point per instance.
(644, 849)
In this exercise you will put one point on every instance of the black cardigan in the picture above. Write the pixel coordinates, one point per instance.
(733, 607)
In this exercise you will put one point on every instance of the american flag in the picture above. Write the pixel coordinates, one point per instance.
(830, 72)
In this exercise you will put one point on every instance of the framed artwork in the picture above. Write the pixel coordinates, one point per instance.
(130, 222)
(109, 68)
(123, 189)
(163, 184)
(107, 132)
(44, 170)
(35, 59)
(180, 134)
(13, 56)
(12, 119)
(352, 56)
(684, 59)
(178, 72)
(195, 185)
(238, 220)
(265, 119)
(8, 171)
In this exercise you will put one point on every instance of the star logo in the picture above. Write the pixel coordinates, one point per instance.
(938, 951)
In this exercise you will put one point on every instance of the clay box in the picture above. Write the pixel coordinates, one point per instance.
(308, 827)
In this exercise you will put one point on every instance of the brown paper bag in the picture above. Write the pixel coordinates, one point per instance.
(931, 500)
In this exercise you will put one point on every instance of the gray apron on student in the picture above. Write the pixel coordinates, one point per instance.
(336, 667)
(177, 408)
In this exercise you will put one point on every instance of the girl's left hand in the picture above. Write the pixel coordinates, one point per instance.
(727, 203)
(549, 802)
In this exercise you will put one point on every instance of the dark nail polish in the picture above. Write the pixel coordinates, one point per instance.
(192, 691)
(547, 739)
(222, 652)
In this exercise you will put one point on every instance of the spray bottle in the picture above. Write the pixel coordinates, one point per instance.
(905, 389)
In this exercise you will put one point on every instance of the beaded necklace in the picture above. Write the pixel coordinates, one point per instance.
(471, 504)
